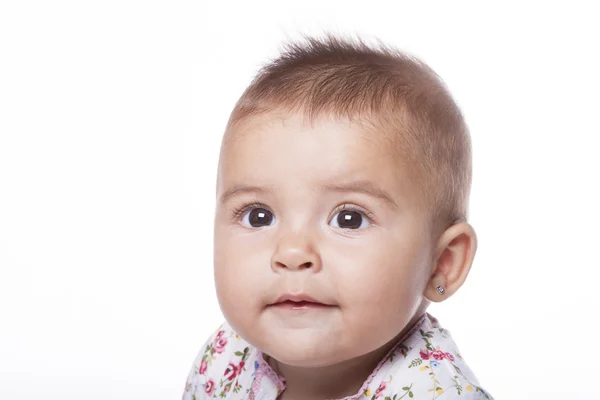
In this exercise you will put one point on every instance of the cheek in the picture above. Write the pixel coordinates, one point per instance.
(380, 303)
(387, 290)
(385, 280)
(239, 272)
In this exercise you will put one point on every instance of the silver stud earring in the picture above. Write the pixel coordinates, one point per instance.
(441, 290)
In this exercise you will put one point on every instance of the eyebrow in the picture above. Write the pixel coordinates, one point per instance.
(238, 189)
(364, 187)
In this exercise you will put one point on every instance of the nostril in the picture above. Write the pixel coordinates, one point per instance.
(305, 265)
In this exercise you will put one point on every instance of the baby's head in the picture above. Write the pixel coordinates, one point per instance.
(343, 181)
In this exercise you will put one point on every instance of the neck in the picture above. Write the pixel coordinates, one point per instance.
(333, 381)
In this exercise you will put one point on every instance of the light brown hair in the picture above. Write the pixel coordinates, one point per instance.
(402, 101)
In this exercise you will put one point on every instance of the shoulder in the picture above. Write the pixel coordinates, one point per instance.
(219, 366)
(427, 363)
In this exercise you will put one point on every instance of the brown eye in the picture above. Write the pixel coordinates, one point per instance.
(349, 219)
(257, 217)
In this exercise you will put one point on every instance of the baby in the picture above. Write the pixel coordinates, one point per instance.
(342, 200)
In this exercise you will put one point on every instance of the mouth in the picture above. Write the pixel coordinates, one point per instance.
(301, 302)
(299, 305)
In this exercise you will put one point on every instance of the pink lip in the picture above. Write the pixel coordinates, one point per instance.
(300, 305)
(298, 302)
(296, 298)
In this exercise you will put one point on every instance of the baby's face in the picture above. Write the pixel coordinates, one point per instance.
(325, 218)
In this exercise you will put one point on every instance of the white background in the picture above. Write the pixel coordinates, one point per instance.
(111, 115)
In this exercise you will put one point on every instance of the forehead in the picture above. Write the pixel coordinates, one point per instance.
(282, 150)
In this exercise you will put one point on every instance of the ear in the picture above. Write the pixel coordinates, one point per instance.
(455, 252)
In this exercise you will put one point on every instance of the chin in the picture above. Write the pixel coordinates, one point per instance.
(301, 360)
(303, 352)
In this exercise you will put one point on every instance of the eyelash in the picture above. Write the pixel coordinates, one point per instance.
(238, 212)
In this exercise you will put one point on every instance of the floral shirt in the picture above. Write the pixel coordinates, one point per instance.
(424, 364)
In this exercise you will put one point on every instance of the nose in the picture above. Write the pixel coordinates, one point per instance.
(296, 251)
